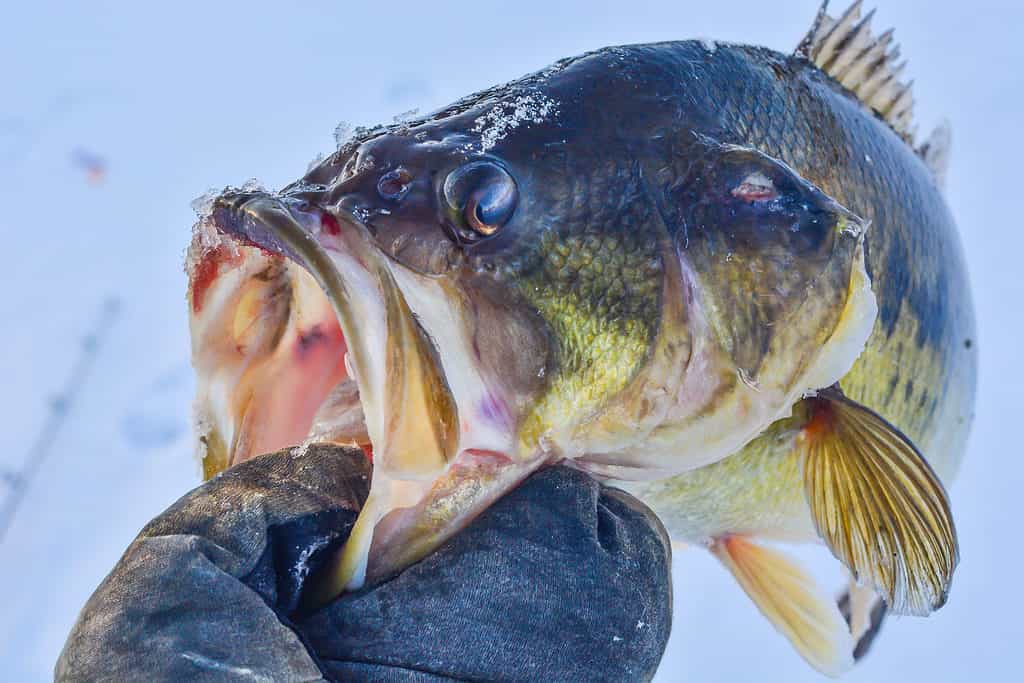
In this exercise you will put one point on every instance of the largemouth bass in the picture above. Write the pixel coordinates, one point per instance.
(720, 276)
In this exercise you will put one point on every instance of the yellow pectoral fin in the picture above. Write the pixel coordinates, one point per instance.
(878, 505)
(792, 601)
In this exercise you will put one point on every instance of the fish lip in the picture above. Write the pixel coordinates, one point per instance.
(244, 215)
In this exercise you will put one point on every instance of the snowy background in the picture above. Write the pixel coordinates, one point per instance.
(114, 116)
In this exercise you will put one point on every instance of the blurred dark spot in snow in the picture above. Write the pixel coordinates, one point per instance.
(160, 414)
(94, 166)
(11, 478)
(59, 404)
(21, 133)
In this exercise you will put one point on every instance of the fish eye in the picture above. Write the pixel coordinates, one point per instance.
(394, 184)
(481, 197)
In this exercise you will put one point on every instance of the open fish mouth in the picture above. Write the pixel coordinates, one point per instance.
(392, 395)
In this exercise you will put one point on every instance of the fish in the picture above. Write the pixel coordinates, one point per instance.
(718, 276)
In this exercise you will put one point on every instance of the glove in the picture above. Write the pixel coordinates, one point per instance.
(561, 580)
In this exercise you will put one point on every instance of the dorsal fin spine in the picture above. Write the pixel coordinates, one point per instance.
(862, 62)
(865, 64)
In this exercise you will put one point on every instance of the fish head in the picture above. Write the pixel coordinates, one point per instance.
(424, 245)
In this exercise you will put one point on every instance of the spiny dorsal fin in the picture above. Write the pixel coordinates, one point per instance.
(865, 64)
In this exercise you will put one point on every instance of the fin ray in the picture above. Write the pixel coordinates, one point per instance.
(935, 151)
(878, 505)
(791, 601)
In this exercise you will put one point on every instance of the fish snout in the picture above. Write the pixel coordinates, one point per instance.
(270, 221)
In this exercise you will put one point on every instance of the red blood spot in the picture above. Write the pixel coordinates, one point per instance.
(330, 223)
(206, 272)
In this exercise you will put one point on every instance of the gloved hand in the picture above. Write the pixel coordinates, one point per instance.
(562, 580)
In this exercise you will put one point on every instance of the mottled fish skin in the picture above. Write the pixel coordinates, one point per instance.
(919, 368)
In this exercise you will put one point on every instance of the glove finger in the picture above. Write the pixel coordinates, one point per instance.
(204, 592)
(278, 516)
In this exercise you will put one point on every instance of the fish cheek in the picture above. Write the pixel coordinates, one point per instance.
(510, 340)
(597, 287)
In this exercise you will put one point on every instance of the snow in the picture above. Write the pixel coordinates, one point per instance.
(173, 111)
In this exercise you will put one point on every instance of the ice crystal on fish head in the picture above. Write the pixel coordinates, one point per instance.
(505, 117)
(343, 133)
(203, 204)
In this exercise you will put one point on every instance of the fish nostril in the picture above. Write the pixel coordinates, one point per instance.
(394, 185)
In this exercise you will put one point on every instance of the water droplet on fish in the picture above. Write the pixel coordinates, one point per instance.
(505, 117)
(253, 185)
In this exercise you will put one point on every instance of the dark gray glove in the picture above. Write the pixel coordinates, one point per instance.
(562, 580)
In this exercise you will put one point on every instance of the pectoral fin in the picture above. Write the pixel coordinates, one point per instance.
(792, 601)
(878, 505)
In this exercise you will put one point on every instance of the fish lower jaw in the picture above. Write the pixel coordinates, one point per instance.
(404, 519)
